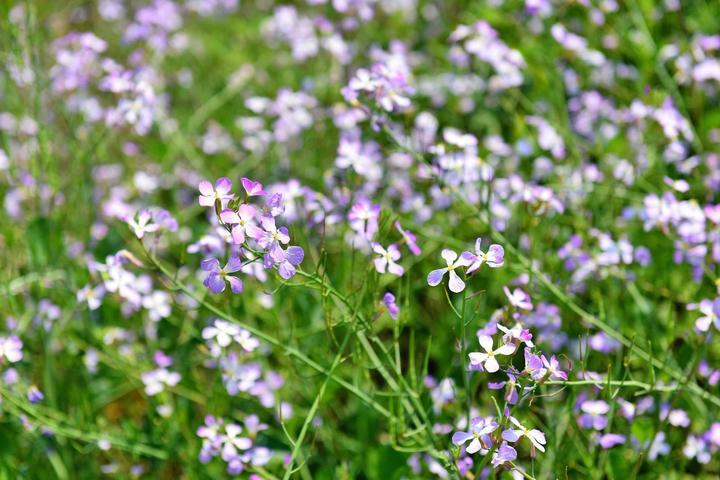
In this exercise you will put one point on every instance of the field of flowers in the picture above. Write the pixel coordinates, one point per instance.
(373, 239)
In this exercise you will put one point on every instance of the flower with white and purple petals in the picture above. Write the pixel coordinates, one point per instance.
(455, 283)
(215, 281)
(242, 222)
(487, 358)
(711, 314)
(504, 454)
(494, 257)
(536, 437)
(479, 435)
(387, 259)
(219, 193)
(252, 188)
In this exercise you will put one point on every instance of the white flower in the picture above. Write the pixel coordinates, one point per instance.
(156, 380)
(11, 348)
(246, 341)
(93, 296)
(487, 359)
(157, 304)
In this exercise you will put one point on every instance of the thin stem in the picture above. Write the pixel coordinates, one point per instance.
(314, 407)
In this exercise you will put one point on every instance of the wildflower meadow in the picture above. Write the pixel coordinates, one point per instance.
(360, 239)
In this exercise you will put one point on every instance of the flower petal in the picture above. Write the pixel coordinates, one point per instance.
(486, 342)
(491, 365)
(435, 277)
(448, 255)
(455, 284)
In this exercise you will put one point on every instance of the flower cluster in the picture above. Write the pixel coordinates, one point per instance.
(252, 232)
(234, 443)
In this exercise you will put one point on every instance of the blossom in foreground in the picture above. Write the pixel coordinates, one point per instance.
(252, 188)
(487, 359)
(387, 259)
(286, 260)
(455, 283)
(536, 437)
(494, 257)
(270, 235)
(480, 429)
(220, 192)
(503, 455)
(242, 222)
(552, 368)
(215, 281)
(390, 305)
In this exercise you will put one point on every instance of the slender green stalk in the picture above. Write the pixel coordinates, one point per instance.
(314, 407)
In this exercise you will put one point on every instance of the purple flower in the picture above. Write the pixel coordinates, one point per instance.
(409, 239)
(610, 440)
(270, 235)
(221, 192)
(253, 189)
(511, 394)
(536, 437)
(387, 259)
(533, 365)
(286, 260)
(242, 222)
(552, 369)
(487, 358)
(455, 283)
(392, 308)
(215, 281)
(504, 454)
(494, 256)
(34, 395)
(480, 429)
